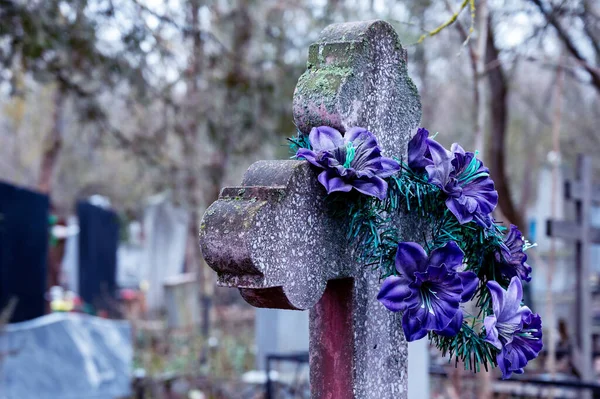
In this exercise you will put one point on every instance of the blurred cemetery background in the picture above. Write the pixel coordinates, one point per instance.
(120, 120)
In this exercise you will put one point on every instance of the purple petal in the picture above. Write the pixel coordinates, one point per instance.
(497, 293)
(450, 255)
(355, 133)
(482, 191)
(469, 282)
(462, 214)
(388, 167)
(309, 155)
(417, 147)
(439, 155)
(511, 360)
(439, 298)
(456, 148)
(503, 365)
(454, 327)
(332, 182)
(439, 173)
(375, 187)
(515, 290)
(492, 332)
(325, 138)
(512, 300)
(410, 259)
(393, 293)
(507, 304)
(512, 257)
(413, 330)
(524, 346)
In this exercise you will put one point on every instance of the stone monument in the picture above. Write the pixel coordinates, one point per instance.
(272, 238)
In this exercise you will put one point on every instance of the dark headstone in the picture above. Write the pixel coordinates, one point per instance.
(23, 250)
(98, 243)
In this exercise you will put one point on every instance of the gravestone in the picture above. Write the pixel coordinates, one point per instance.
(66, 356)
(272, 238)
(181, 301)
(165, 237)
(24, 236)
(584, 194)
(98, 243)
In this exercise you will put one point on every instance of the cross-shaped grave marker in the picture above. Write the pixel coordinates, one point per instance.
(272, 238)
(583, 193)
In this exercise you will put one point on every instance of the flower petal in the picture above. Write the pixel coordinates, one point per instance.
(491, 331)
(374, 186)
(332, 182)
(413, 330)
(497, 294)
(357, 133)
(450, 255)
(439, 173)
(439, 298)
(454, 327)
(388, 167)
(393, 293)
(504, 366)
(310, 156)
(325, 138)
(469, 282)
(460, 211)
(410, 259)
(455, 148)
(417, 147)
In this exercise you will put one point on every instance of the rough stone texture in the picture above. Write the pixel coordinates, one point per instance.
(356, 76)
(66, 356)
(272, 239)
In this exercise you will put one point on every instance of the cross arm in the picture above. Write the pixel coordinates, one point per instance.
(570, 231)
(271, 237)
(574, 191)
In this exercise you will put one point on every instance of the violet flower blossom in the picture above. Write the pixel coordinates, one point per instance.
(513, 329)
(470, 193)
(422, 151)
(512, 258)
(352, 161)
(428, 289)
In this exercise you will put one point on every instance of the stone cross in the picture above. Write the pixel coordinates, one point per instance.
(584, 194)
(272, 238)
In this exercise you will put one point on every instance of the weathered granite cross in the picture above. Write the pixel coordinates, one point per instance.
(272, 238)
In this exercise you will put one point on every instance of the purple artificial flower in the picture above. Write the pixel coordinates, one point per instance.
(428, 290)
(513, 329)
(467, 184)
(512, 258)
(351, 161)
(423, 151)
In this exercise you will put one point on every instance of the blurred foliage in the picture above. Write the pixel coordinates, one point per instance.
(190, 354)
(58, 41)
(184, 95)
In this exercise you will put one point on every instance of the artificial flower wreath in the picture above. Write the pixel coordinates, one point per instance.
(466, 256)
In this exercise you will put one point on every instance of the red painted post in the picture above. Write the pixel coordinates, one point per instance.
(332, 342)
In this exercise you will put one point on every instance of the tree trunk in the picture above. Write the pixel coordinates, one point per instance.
(550, 312)
(480, 64)
(496, 159)
(53, 143)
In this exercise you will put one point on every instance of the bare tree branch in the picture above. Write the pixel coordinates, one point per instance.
(552, 18)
